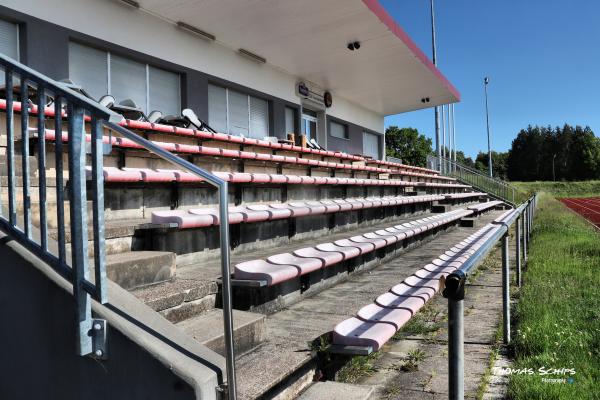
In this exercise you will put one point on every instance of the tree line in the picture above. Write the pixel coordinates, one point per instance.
(537, 153)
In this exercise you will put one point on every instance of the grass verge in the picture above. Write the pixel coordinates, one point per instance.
(561, 189)
(559, 309)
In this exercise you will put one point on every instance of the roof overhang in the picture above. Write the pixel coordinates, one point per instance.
(308, 39)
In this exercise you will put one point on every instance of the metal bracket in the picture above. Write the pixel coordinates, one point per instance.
(99, 339)
(222, 391)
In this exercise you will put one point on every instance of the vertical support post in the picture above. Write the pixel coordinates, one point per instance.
(79, 241)
(60, 192)
(524, 228)
(10, 150)
(25, 156)
(226, 279)
(41, 106)
(518, 249)
(456, 351)
(505, 290)
(98, 211)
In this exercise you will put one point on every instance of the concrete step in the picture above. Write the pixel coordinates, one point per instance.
(18, 164)
(337, 391)
(248, 330)
(120, 235)
(180, 299)
(138, 268)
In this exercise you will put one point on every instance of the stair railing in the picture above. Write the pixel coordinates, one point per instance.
(494, 186)
(41, 96)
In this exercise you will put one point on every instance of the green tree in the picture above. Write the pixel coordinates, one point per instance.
(546, 153)
(407, 144)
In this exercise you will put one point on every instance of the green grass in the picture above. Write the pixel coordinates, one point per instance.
(558, 314)
(561, 189)
(358, 367)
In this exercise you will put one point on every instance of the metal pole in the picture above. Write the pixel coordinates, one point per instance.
(553, 174)
(438, 149)
(524, 222)
(444, 138)
(518, 249)
(454, 134)
(505, 290)
(226, 279)
(486, 80)
(456, 363)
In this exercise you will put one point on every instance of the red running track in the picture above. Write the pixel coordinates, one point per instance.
(587, 207)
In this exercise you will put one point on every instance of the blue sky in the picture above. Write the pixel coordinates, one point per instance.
(542, 57)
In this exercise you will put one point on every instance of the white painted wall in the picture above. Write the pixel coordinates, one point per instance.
(114, 22)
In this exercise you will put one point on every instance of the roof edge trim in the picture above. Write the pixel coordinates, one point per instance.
(377, 9)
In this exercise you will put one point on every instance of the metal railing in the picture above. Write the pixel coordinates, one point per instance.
(454, 288)
(76, 110)
(494, 186)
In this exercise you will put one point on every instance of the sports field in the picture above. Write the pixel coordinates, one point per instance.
(587, 207)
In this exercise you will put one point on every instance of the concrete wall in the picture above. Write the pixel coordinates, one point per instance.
(148, 357)
(48, 26)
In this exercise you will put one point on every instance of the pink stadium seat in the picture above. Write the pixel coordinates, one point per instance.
(305, 265)
(328, 258)
(347, 251)
(262, 270)
(416, 281)
(273, 213)
(150, 175)
(183, 219)
(296, 211)
(397, 317)
(375, 241)
(354, 332)
(113, 174)
(363, 247)
(403, 289)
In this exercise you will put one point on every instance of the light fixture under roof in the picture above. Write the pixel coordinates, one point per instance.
(131, 3)
(196, 31)
(252, 56)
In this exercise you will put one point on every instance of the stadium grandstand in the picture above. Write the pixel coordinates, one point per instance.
(186, 184)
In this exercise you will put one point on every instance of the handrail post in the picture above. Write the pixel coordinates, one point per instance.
(79, 240)
(454, 291)
(524, 226)
(226, 279)
(518, 250)
(505, 290)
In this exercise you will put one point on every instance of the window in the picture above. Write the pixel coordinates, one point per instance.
(290, 120)
(371, 145)
(9, 39)
(236, 113)
(338, 130)
(100, 72)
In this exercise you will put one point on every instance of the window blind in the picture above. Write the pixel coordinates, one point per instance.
(238, 113)
(217, 108)
(371, 145)
(164, 91)
(338, 130)
(290, 126)
(128, 81)
(259, 118)
(88, 68)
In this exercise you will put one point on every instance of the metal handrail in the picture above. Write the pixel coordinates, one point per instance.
(91, 333)
(494, 186)
(454, 288)
(222, 187)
